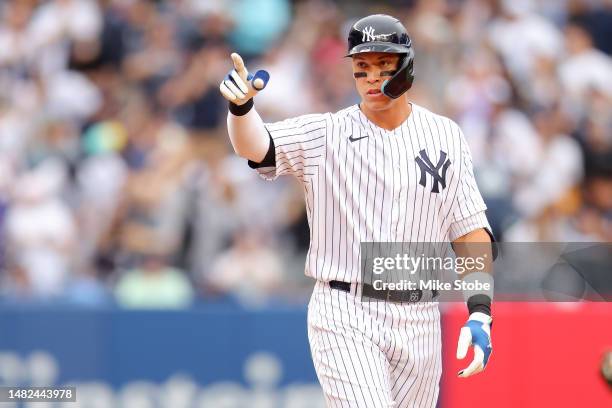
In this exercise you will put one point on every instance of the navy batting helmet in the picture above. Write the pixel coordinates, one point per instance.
(383, 33)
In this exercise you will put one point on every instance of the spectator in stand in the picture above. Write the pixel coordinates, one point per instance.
(40, 229)
(249, 270)
(585, 67)
(560, 169)
(538, 37)
(153, 284)
(596, 17)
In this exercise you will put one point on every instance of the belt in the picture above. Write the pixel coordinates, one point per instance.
(388, 295)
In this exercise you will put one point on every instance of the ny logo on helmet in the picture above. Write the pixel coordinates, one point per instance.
(438, 171)
(368, 34)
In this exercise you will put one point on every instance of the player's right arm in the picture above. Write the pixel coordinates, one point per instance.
(294, 146)
(246, 129)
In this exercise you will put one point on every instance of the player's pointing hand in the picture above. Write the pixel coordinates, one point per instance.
(476, 332)
(239, 66)
(239, 86)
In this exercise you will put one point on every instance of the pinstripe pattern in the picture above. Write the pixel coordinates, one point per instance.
(374, 354)
(369, 190)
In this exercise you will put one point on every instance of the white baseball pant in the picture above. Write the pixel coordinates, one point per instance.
(374, 353)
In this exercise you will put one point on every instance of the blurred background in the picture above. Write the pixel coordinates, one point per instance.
(141, 258)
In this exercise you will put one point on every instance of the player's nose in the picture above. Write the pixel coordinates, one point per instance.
(373, 77)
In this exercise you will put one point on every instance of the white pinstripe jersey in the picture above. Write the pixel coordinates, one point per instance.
(363, 183)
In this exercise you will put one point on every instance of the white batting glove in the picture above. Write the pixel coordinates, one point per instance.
(239, 86)
(476, 332)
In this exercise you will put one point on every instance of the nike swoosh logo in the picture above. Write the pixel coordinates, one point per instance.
(354, 139)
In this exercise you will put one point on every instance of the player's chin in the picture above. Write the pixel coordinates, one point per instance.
(377, 101)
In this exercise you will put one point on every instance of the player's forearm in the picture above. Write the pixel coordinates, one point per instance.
(476, 252)
(248, 135)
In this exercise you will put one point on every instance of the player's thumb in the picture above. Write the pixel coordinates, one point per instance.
(465, 339)
(475, 366)
(260, 79)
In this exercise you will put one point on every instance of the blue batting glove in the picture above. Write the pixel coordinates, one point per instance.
(259, 80)
(476, 332)
(239, 86)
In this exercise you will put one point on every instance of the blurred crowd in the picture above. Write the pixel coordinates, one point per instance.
(118, 184)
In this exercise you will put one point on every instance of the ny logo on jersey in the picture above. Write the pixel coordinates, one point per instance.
(438, 172)
(368, 34)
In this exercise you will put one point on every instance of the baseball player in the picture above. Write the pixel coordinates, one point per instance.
(385, 170)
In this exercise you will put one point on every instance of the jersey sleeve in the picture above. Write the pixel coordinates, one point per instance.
(296, 145)
(469, 207)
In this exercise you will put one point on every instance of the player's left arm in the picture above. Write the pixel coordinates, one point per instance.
(475, 248)
(472, 239)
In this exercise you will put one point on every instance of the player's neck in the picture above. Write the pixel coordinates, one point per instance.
(391, 118)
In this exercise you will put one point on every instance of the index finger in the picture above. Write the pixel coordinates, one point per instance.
(238, 63)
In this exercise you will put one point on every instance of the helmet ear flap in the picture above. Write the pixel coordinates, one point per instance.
(403, 78)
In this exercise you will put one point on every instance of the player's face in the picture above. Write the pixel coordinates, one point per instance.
(370, 70)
